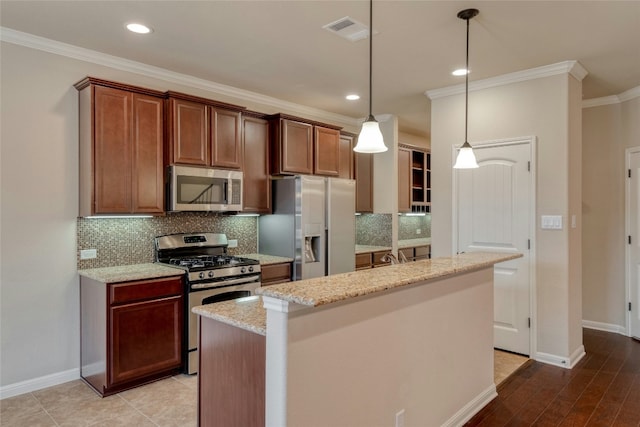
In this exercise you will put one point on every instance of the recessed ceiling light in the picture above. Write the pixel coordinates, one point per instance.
(353, 97)
(138, 28)
(460, 72)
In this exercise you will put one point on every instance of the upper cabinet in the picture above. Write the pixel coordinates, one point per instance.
(364, 182)
(346, 161)
(414, 179)
(303, 147)
(121, 149)
(203, 132)
(257, 184)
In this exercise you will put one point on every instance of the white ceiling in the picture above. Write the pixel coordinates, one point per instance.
(279, 48)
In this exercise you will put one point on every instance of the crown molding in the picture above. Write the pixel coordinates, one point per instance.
(613, 99)
(567, 67)
(75, 52)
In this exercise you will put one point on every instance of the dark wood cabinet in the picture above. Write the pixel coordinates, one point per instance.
(326, 143)
(415, 170)
(363, 261)
(121, 149)
(364, 182)
(345, 164)
(257, 182)
(226, 146)
(131, 332)
(272, 274)
(188, 132)
(404, 180)
(293, 147)
(203, 132)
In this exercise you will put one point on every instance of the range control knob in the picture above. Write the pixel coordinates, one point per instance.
(243, 270)
(210, 274)
(201, 275)
(251, 269)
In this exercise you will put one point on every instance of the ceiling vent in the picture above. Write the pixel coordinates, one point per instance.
(348, 28)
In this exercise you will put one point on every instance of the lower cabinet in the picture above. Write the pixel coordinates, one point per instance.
(131, 332)
(272, 274)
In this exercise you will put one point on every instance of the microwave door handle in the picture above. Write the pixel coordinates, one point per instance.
(226, 192)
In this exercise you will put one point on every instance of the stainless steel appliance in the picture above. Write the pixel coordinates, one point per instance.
(313, 222)
(203, 189)
(211, 276)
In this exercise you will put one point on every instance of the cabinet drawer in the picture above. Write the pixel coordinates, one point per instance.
(120, 293)
(407, 252)
(276, 273)
(363, 261)
(423, 252)
(376, 256)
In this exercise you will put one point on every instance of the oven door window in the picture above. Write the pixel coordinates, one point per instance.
(196, 190)
(225, 296)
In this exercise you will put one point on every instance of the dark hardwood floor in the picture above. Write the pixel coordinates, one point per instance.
(602, 390)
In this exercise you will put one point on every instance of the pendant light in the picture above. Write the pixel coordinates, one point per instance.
(370, 138)
(466, 159)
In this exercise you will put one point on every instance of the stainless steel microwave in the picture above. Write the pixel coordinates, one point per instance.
(193, 188)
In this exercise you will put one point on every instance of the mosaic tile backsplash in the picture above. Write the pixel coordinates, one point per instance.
(375, 229)
(125, 241)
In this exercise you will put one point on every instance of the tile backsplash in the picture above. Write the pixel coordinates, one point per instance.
(124, 241)
(375, 229)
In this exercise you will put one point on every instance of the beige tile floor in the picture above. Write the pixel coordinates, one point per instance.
(167, 403)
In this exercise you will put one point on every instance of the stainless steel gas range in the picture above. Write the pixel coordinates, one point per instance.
(211, 276)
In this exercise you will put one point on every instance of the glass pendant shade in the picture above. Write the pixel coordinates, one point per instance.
(370, 138)
(466, 159)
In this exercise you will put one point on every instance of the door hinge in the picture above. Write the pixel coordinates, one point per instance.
(528, 243)
(629, 239)
(629, 174)
(629, 306)
(528, 166)
(529, 322)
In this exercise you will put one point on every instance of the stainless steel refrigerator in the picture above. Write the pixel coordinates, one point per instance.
(313, 222)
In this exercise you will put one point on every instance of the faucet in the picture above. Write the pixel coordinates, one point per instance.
(390, 257)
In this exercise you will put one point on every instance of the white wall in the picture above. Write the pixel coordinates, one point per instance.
(608, 130)
(39, 311)
(545, 108)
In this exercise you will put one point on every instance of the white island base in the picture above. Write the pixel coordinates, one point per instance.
(423, 352)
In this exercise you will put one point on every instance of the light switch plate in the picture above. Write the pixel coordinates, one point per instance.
(88, 253)
(233, 243)
(551, 222)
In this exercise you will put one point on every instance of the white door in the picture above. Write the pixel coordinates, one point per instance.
(633, 253)
(494, 209)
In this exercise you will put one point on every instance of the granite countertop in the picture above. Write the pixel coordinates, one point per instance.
(245, 313)
(365, 249)
(127, 273)
(412, 243)
(267, 259)
(339, 287)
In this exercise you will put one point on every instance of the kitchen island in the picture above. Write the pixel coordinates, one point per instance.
(411, 341)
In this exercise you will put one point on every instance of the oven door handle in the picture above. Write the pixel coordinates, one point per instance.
(242, 280)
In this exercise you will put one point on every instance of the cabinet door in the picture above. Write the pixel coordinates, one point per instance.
(257, 185)
(112, 144)
(345, 169)
(296, 148)
(145, 338)
(276, 273)
(404, 180)
(147, 169)
(189, 132)
(364, 182)
(326, 151)
(226, 147)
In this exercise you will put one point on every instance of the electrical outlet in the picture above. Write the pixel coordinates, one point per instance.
(418, 231)
(233, 243)
(400, 418)
(88, 253)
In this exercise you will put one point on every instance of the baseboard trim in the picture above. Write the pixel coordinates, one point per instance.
(563, 362)
(38, 383)
(472, 408)
(606, 327)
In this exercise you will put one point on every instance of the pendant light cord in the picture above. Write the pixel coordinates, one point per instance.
(370, 58)
(466, 89)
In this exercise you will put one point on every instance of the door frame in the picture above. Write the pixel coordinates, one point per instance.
(627, 230)
(523, 140)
